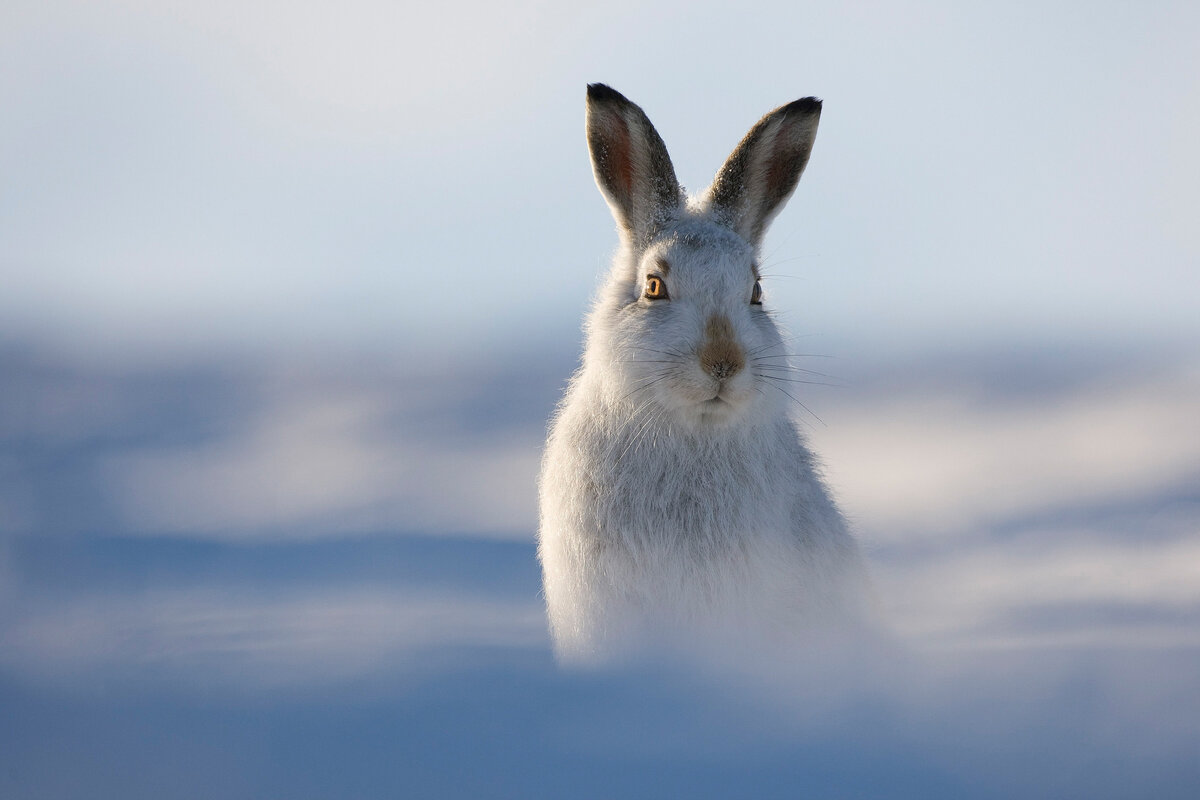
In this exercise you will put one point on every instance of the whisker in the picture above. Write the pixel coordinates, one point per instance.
(675, 353)
(766, 347)
(799, 380)
(641, 430)
(771, 263)
(794, 399)
(797, 355)
(647, 384)
(801, 370)
(782, 344)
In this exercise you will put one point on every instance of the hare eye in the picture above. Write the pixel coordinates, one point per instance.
(656, 289)
(756, 294)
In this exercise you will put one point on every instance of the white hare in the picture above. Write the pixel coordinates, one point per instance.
(678, 499)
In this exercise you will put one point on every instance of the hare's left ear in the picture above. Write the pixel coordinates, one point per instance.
(761, 174)
(631, 165)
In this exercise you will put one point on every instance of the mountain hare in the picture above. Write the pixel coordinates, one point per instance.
(678, 500)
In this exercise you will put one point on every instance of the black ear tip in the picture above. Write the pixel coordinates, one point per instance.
(602, 93)
(805, 105)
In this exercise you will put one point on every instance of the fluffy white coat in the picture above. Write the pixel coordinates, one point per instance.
(679, 502)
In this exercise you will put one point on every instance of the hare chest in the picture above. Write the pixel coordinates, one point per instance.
(683, 541)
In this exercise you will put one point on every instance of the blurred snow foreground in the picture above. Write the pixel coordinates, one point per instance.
(298, 554)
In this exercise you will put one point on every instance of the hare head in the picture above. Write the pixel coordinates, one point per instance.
(681, 327)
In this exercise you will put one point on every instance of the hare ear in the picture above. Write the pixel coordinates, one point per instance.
(763, 170)
(631, 165)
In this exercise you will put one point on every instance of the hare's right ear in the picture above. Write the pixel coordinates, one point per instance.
(631, 165)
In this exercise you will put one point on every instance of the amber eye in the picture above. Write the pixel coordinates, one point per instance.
(656, 289)
(756, 294)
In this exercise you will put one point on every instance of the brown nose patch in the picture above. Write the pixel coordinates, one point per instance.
(720, 355)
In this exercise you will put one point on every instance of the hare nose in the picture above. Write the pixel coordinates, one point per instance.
(720, 356)
(722, 369)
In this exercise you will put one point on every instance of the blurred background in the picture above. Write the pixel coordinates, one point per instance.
(289, 291)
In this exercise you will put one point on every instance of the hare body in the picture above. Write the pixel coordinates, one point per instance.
(678, 499)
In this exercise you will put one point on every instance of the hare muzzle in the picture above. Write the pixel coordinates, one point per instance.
(721, 356)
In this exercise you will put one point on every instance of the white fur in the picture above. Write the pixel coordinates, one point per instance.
(666, 515)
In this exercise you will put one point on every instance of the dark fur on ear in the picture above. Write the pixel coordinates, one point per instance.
(631, 165)
(763, 170)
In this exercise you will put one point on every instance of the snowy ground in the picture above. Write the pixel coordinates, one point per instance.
(310, 580)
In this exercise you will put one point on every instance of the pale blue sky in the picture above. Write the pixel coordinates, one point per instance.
(354, 175)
